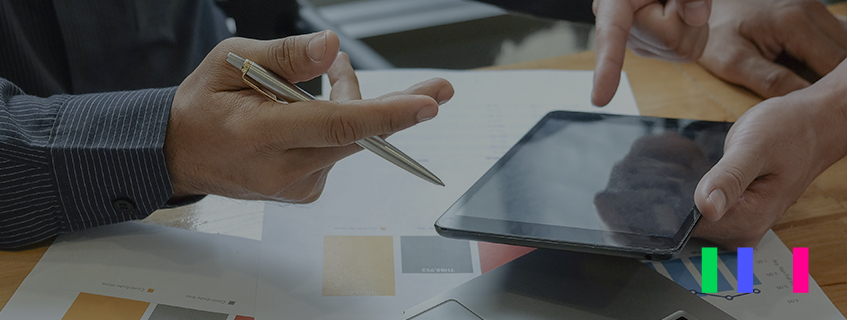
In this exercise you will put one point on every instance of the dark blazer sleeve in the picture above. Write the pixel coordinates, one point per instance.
(70, 162)
(570, 10)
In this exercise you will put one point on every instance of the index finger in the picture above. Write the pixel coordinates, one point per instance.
(343, 80)
(614, 19)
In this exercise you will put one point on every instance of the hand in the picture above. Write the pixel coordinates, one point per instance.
(747, 36)
(674, 31)
(225, 138)
(771, 155)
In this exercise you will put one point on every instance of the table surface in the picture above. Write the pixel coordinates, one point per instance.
(817, 220)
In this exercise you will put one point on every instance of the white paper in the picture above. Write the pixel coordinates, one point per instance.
(773, 296)
(141, 262)
(368, 199)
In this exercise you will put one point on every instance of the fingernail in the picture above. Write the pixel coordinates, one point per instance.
(696, 13)
(317, 46)
(718, 199)
(427, 113)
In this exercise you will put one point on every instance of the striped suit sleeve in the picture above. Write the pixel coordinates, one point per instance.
(73, 162)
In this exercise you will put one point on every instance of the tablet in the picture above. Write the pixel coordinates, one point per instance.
(609, 184)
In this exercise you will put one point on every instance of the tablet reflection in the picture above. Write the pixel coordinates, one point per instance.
(649, 191)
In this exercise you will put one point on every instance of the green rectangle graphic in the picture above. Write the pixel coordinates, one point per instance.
(709, 275)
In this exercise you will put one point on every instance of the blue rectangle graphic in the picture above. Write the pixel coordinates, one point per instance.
(730, 260)
(745, 270)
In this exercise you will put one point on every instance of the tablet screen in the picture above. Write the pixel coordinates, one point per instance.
(590, 178)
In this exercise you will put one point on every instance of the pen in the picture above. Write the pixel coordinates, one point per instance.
(291, 93)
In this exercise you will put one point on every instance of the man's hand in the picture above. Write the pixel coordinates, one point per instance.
(225, 138)
(676, 30)
(772, 154)
(746, 37)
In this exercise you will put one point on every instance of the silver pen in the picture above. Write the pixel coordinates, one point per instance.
(291, 93)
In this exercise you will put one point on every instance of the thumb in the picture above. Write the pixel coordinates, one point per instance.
(695, 13)
(296, 58)
(722, 187)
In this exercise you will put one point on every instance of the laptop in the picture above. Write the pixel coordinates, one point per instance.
(553, 284)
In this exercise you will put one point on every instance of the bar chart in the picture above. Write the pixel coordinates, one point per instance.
(688, 272)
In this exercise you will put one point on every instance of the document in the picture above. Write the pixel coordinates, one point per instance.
(772, 297)
(367, 248)
(140, 271)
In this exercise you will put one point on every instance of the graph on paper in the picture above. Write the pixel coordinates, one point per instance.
(687, 273)
(773, 295)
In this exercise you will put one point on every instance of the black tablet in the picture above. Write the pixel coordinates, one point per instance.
(610, 184)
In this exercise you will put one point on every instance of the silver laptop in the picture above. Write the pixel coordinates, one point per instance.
(553, 284)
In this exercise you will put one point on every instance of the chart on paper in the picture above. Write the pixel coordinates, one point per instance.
(687, 273)
(772, 296)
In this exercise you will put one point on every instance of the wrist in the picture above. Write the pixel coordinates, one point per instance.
(830, 96)
(172, 147)
(825, 102)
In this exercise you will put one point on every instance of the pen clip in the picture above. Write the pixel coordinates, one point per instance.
(246, 67)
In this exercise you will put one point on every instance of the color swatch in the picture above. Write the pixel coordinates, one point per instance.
(166, 312)
(358, 266)
(435, 254)
(88, 306)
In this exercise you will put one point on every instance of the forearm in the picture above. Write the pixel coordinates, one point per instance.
(826, 101)
(74, 162)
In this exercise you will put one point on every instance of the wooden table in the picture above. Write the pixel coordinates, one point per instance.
(817, 220)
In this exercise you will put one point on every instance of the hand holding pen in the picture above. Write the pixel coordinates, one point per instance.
(280, 90)
(225, 138)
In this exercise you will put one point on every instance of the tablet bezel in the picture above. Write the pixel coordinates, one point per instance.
(640, 246)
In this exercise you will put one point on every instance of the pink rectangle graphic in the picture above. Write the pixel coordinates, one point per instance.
(801, 270)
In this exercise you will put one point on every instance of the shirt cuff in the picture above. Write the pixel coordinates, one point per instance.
(107, 156)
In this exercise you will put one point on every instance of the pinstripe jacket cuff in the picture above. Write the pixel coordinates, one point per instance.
(106, 152)
(74, 162)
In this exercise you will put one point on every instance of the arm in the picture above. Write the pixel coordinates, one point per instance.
(772, 154)
(66, 161)
(747, 42)
(76, 162)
